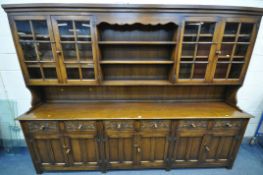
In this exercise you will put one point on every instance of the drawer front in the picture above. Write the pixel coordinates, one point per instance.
(228, 124)
(193, 124)
(42, 126)
(80, 125)
(155, 125)
(119, 125)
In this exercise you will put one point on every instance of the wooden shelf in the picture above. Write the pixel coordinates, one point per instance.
(136, 62)
(138, 42)
(136, 82)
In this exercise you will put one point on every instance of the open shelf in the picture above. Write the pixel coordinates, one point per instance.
(139, 42)
(135, 82)
(136, 62)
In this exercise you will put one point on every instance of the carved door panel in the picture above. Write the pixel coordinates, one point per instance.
(152, 143)
(82, 144)
(46, 143)
(119, 144)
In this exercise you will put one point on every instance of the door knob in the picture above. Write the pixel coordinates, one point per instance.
(207, 148)
(138, 149)
(58, 51)
(218, 52)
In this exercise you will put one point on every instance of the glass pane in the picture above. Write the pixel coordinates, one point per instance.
(185, 70)
(29, 51)
(235, 70)
(50, 73)
(69, 51)
(201, 59)
(188, 49)
(66, 30)
(85, 51)
(191, 28)
(241, 49)
(238, 58)
(83, 30)
(41, 30)
(190, 38)
(246, 28)
(229, 39)
(203, 49)
(73, 73)
(88, 73)
(199, 71)
(34, 73)
(244, 39)
(24, 30)
(207, 28)
(221, 70)
(45, 51)
(231, 28)
(205, 39)
(187, 58)
(226, 49)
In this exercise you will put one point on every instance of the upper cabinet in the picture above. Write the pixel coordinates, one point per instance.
(89, 50)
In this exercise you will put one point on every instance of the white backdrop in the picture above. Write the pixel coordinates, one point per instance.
(15, 98)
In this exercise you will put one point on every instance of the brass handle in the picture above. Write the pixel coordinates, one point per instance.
(193, 125)
(68, 151)
(155, 125)
(218, 52)
(207, 148)
(119, 126)
(58, 51)
(229, 125)
(42, 127)
(138, 149)
(227, 56)
(80, 127)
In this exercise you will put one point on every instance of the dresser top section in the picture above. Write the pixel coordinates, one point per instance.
(130, 7)
(100, 111)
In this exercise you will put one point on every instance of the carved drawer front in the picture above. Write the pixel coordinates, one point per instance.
(42, 126)
(193, 124)
(80, 125)
(119, 125)
(155, 125)
(225, 124)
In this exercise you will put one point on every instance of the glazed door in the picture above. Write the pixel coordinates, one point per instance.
(119, 144)
(36, 49)
(234, 49)
(152, 143)
(75, 47)
(198, 38)
(82, 144)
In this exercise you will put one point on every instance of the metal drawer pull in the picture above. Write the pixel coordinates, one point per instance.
(118, 126)
(229, 125)
(138, 149)
(218, 52)
(80, 127)
(68, 151)
(207, 148)
(193, 125)
(155, 125)
(42, 127)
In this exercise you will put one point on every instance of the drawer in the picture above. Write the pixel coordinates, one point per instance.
(80, 125)
(42, 126)
(119, 125)
(193, 124)
(228, 124)
(155, 125)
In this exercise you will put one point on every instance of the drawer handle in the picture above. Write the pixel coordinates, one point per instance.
(42, 127)
(118, 126)
(80, 127)
(207, 148)
(155, 125)
(68, 151)
(229, 125)
(193, 125)
(138, 149)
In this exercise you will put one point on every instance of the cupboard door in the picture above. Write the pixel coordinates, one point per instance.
(82, 144)
(188, 148)
(198, 38)
(119, 144)
(75, 47)
(234, 49)
(36, 49)
(220, 147)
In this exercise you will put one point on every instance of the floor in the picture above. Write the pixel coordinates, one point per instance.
(249, 162)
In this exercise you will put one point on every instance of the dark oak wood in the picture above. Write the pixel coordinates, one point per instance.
(121, 86)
